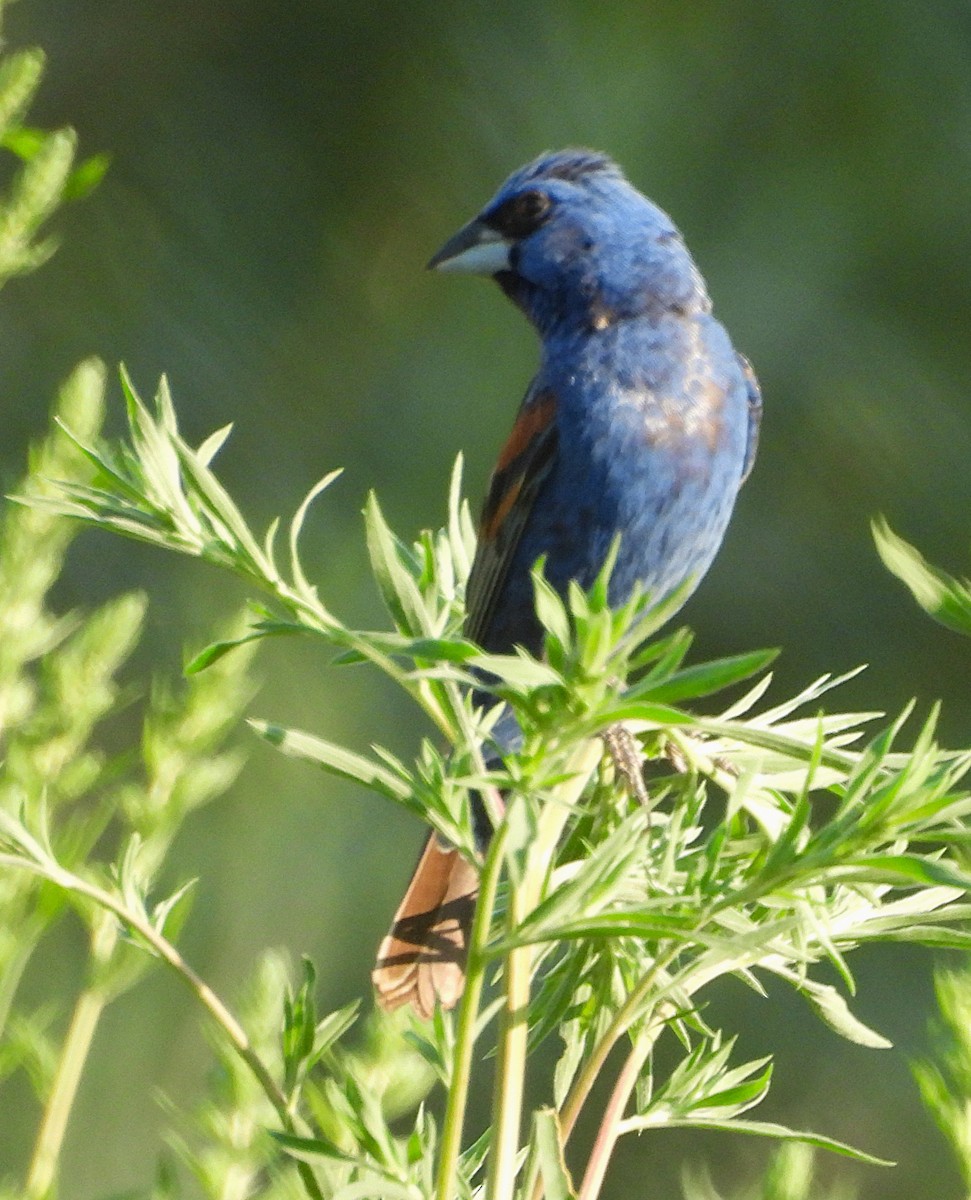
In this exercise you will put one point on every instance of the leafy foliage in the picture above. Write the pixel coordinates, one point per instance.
(945, 1085)
(749, 839)
(62, 798)
(603, 920)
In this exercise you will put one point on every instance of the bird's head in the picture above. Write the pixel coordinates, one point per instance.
(574, 244)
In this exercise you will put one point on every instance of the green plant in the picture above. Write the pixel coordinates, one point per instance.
(600, 921)
(62, 798)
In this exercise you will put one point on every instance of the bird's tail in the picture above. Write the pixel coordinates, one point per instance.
(422, 958)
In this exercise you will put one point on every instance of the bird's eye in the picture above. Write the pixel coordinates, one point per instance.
(520, 215)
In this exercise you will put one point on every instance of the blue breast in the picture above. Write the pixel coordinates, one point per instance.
(652, 421)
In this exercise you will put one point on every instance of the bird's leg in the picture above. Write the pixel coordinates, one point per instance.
(674, 753)
(686, 752)
(623, 750)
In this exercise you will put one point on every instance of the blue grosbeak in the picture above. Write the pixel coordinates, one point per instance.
(642, 420)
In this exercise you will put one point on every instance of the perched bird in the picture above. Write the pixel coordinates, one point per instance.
(642, 420)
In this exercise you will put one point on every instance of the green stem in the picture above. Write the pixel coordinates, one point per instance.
(623, 1019)
(446, 1184)
(511, 1055)
(524, 895)
(216, 1009)
(626, 1015)
(42, 1171)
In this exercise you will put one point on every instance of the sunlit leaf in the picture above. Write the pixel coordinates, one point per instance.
(942, 596)
(703, 679)
(333, 758)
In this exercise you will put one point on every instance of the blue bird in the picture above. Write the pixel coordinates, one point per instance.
(642, 421)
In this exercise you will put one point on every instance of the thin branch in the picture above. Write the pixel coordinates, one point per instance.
(514, 1025)
(199, 988)
(511, 1055)
(42, 1171)
(622, 1021)
(610, 1124)
(458, 1091)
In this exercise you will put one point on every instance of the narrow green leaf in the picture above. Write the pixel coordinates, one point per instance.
(474, 1156)
(703, 679)
(296, 526)
(331, 1029)
(461, 548)
(217, 650)
(25, 141)
(595, 884)
(157, 456)
(446, 650)
(942, 596)
(938, 936)
(802, 750)
(20, 75)
(654, 616)
(108, 471)
(615, 924)
(221, 510)
(307, 1148)
(398, 587)
(86, 176)
(547, 1151)
(300, 1022)
(740, 1096)
(666, 653)
(213, 444)
(36, 192)
(333, 758)
(452, 650)
(519, 671)
(550, 608)
(766, 1129)
(165, 915)
(911, 867)
(652, 714)
(599, 591)
(833, 1010)
(269, 543)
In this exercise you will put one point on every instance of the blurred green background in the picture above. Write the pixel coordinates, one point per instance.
(281, 173)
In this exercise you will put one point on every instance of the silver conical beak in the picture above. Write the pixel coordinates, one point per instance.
(475, 249)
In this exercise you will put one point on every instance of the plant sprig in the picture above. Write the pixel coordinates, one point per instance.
(606, 924)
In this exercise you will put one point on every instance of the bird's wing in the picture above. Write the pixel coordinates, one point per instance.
(524, 463)
(754, 415)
